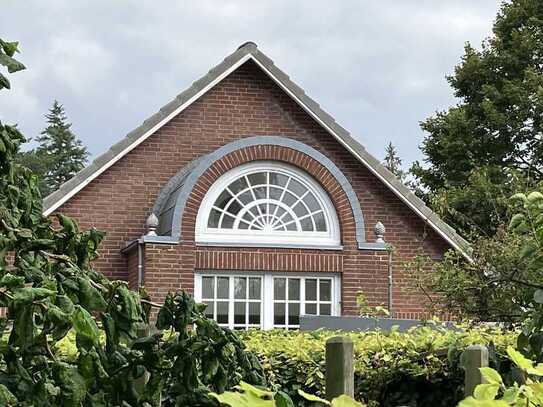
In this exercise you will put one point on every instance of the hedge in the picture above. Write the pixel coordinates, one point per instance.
(420, 367)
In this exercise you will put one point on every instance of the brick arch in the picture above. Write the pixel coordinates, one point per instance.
(275, 148)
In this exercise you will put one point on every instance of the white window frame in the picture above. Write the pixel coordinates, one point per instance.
(240, 237)
(267, 293)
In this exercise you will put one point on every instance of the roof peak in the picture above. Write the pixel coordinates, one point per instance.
(248, 44)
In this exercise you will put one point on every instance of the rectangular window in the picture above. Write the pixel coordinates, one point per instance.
(266, 300)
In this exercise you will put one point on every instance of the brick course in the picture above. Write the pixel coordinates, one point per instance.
(245, 104)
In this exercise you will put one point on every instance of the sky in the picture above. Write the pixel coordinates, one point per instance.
(378, 67)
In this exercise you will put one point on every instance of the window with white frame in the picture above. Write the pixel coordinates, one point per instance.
(266, 300)
(268, 203)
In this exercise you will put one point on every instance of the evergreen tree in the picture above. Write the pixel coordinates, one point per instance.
(60, 155)
(498, 122)
(393, 162)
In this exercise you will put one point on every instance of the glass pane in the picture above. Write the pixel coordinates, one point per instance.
(239, 313)
(240, 288)
(209, 309)
(275, 193)
(293, 289)
(320, 222)
(294, 313)
(227, 222)
(254, 313)
(325, 309)
(297, 188)
(311, 289)
(223, 199)
(292, 226)
(223, 287)
(279, 288)
(246, 197)
(289, 199)
(234, 208)
(311, 202)
(325, 290)
(213, 221)
(311, 309)
(300, 209)
(279, 314)
(258, 179)
(278, 179)
(238, 185)
(254, 288)
(307, 224)
(222, 312)
(208, 285)
(260, 192)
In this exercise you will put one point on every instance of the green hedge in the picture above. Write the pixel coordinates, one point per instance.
(417, 368)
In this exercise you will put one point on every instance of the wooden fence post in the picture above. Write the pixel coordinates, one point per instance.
(474, 357)
(339, 367)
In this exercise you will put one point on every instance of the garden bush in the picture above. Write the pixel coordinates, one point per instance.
(420, 367)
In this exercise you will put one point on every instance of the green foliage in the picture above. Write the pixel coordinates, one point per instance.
(7, 52)
(250, 396)
(50, 289)
(480, 289)
(416, 368)
(393, 162)
(495, 393)
(497, 122)
(59, 156)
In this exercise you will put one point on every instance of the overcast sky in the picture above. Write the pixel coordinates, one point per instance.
(377, 66)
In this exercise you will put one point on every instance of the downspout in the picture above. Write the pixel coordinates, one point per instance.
(379, 231)
(141, 269)
(151, 224)
(390, 283)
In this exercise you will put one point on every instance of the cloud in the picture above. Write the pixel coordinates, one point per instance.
(378, 67)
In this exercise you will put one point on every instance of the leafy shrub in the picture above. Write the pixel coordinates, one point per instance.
(418, 368)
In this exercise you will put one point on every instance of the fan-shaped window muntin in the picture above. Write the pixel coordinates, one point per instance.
(269, 202)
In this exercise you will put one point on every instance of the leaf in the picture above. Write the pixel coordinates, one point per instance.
(84, 325)
(247, 396)
(9, 48)
(345, 401)
(534, 197)
(310, 397)
(518, 359)
(490, 375)
(4, 83)
(516, 221)
(283, 400)
(486, 391)
(471, 402)
(6, 397)
(12, 64)
(538, 296)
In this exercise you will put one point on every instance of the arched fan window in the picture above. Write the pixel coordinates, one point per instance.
(267, 203)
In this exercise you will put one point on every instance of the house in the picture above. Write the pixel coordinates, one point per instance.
(244, 192)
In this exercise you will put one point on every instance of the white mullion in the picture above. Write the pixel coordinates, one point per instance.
(231, 302)
(302, 295)
(215, 283)
(246, 303)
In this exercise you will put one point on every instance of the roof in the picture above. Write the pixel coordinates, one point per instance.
(246, 52)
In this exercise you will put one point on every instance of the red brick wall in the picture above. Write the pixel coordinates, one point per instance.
(246, 104)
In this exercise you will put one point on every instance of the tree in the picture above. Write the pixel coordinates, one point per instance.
(498, 122)
(62, 155)
(393, 162)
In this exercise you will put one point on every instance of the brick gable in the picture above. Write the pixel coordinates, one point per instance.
(245, 104)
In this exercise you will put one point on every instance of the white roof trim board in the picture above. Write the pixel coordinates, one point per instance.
(249, 51)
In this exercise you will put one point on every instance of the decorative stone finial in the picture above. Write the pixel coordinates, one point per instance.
(151, 224)
(379, 231)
